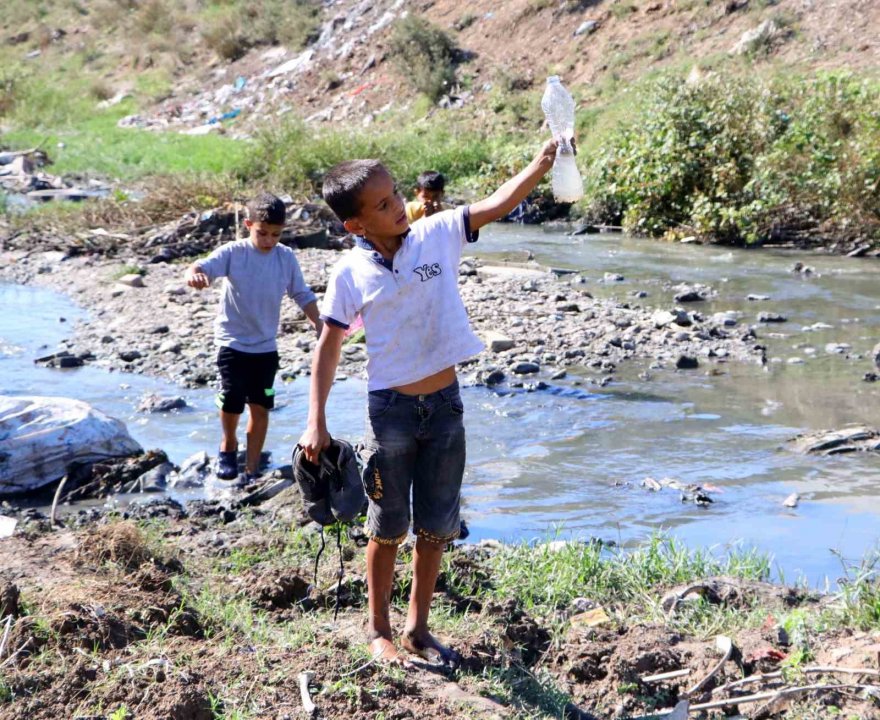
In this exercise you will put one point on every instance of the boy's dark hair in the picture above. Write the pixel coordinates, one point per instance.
(266, 208)
(431, 180)
(344, 183)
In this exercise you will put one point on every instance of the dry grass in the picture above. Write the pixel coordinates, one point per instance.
(120, 543)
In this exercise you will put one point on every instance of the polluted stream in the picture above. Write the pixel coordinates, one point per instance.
(569, 462)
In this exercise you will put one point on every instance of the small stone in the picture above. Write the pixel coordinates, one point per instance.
(494, 378)
(837, 348)
(107, 339)
(662, 318)
(770, 317)
(558, 375)
(499, 343)
(70, 362)
(613, 277)
(568, 307)
(682, 319)
(135, 280)
(757, 298)
(170, 346)
(158, 330)
(689, 294)
(526, 368)
(158, 404)
(686, 362)
(727, 319)
(129, 355)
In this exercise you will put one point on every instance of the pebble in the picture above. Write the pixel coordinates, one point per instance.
(525, 368)
(688, 294)
(685, 362)
(134, 280)
(498, 342)
(770, 317)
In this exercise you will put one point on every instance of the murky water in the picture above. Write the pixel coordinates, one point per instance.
(539, 462)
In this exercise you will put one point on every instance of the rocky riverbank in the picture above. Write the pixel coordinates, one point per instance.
(539, 326)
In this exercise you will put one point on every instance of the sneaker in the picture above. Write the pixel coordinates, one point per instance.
(227, 465)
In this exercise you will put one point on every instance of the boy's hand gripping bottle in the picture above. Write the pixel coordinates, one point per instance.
(558, 107)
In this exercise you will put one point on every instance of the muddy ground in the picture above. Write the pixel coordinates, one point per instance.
(212, 613)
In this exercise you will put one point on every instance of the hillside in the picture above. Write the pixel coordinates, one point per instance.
(159, 50)
(458, 87)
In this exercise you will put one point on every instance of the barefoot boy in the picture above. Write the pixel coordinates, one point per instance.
(404, 283)
(429, 196)
(258, 272)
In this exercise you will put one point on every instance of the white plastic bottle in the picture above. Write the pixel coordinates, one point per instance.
(558, 107)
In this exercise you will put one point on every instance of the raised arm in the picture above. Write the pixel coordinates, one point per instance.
(502, 202)
(324, 363)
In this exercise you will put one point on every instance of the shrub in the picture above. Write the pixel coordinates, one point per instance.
(222, 33)
(286, 22)
(744, 161)
(424, 54)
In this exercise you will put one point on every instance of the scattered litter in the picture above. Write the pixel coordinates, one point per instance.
(7, 526)
(859, 438)
(696, 494)
(591, 618)
(20, 172)
(304, 679)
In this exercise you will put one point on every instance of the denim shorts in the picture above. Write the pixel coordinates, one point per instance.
(414, 444)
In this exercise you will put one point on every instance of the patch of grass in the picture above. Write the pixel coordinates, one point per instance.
(128, 270)
(546, 578)
(621, 9)
(95, 146)
(858, 600)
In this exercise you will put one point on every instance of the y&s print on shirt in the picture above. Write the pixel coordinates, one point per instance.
(426, 272)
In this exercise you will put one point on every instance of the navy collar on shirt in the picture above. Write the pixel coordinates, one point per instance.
(365, 244)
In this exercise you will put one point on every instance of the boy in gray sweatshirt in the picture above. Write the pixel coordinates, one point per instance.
(258, 274)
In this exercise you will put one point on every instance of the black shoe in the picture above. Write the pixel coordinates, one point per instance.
(227, 465)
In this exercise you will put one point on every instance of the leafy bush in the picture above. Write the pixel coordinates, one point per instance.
(424, 54)
(743, 161)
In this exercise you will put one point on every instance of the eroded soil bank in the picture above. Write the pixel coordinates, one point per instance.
(212, 612)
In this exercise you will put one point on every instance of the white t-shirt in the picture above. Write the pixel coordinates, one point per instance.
(414, 319)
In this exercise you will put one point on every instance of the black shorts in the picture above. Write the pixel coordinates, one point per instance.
(246, 378)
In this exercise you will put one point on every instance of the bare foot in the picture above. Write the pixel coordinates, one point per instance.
(384, 651)
(427, 647)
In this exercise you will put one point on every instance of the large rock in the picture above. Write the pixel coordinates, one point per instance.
(41, 436)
